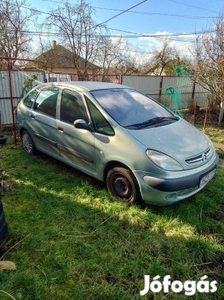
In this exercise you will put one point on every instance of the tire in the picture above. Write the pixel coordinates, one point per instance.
(122, 185)
(3, 232)
(27, 142)
(1, 205)
(2, 218)
(3, 224)
(3, 139)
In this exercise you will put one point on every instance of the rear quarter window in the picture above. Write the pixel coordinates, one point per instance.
(46, 102)
(30, 98)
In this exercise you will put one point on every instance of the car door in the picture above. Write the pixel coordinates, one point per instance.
(76, 145)
(43, 121)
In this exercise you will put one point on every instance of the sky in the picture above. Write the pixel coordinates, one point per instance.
(135, 18)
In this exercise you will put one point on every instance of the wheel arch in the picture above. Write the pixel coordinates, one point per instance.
(112, 164)
(21, 129)
(117, 164)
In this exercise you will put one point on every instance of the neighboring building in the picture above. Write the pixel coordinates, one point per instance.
(58, 64)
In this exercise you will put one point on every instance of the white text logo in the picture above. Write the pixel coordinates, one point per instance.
(190, 287)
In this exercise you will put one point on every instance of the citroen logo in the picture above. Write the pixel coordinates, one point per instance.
(204, 157)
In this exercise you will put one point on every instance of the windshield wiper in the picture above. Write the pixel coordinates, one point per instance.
(154, 121)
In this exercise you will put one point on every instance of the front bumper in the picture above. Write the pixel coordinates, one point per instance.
(166, 191)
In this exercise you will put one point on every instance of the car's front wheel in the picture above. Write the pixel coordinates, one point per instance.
(122, 185)
(27, 142)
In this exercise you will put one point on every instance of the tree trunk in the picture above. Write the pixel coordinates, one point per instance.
(221, 112)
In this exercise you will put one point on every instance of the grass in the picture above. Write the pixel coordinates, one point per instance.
(71, 240)
(216, 134)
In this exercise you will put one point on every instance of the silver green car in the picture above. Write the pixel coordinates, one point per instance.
(140, 149)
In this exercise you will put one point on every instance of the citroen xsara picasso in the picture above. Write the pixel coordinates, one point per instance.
(140, 149)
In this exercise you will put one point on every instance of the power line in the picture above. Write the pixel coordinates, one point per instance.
(132, 34)
(191, 6)
(125, 36)
(137, 34)
(124, 11)
(158, 14)
(36, 10)
(133, 12)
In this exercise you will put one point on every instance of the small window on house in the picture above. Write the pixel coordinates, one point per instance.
(30, 98)
(72, 107)
(53, 79)
(46, 102)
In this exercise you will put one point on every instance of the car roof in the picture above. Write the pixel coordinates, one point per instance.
(83, 85)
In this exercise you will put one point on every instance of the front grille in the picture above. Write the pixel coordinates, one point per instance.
(200, 158)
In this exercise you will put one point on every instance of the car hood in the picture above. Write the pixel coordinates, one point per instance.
(179, 140)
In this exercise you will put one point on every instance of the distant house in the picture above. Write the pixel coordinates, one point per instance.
(58, 64)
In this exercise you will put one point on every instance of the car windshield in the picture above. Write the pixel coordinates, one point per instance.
(131, 109)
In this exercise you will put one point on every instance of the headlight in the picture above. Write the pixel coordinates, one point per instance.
(163, 161)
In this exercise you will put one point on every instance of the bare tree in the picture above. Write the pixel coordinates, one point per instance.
(208, 69)
(13, 22)
(114, 56)
(106, 57)
(160, 59)
(75, 26)
(128, 63)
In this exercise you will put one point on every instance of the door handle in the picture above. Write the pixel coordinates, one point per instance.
(60, 129)
(32, 116)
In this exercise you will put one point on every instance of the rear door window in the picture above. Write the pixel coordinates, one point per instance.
(72, 107)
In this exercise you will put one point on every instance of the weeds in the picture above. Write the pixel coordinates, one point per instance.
(70, 240)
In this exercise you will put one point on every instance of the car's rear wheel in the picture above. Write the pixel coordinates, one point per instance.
(27, 142)
(122, 185)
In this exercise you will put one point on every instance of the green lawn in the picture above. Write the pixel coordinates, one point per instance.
(70, 240)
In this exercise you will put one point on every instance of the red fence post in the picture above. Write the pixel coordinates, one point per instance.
(9, 59)
(11, 99)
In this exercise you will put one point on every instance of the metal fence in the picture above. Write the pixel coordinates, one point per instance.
(55, 77)
(18, 79)
(155, 86)
(160, 87)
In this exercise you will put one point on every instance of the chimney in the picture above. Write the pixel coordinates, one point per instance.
(53, 44)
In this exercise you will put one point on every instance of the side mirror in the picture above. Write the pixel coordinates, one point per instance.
(81, 124)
